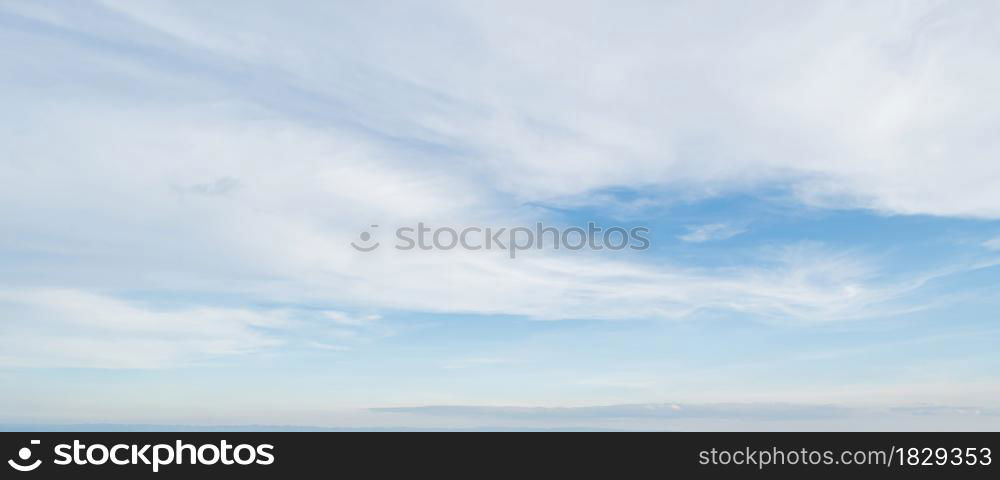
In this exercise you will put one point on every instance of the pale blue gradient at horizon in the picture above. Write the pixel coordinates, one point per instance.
(182, 181)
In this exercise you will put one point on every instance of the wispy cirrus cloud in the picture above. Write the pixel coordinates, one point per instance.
(711, 232)
(64, 328)
(222, 165)
(308, 177)
(627, 112)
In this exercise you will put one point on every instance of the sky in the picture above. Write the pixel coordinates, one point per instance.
(182, 182)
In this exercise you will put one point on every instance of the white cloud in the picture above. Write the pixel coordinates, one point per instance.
(270, 241)
(883, 106)
(304, 192)
(329, 347)
(993, 244)
(75, 329)
(711, 232)
(341, 318)
(242, 156)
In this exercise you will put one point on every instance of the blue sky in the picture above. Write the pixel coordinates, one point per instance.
(182, 182)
